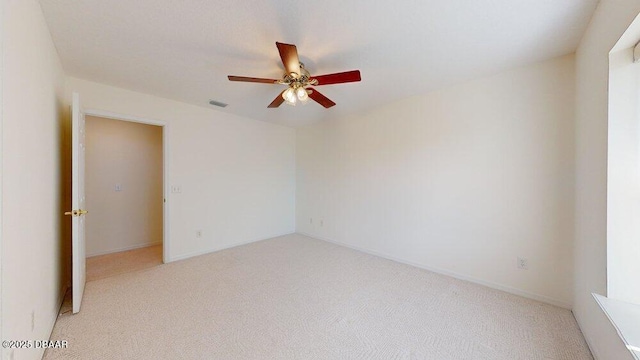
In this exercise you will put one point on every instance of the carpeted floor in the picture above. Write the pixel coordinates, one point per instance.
(102, 266)
(295, 297)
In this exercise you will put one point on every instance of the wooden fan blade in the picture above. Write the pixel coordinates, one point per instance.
(277, 101)
(338, 78)
(289, 56)
(321, 99)
(252, 79)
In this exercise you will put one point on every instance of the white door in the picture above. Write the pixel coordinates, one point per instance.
(78, 214)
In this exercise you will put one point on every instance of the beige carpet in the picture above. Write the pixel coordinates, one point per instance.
(102, 266)
(294, 297)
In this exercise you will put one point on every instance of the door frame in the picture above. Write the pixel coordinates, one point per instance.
(166, 257)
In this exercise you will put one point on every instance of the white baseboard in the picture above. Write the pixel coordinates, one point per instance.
(126, 248)
(218, 248)
(511, 290)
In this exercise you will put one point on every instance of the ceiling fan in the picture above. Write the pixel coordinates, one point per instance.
(298, 80)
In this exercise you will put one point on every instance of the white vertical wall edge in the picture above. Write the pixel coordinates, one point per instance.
(166, 256)
(1, 152)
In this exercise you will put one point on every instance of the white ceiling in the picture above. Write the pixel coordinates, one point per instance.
(185, 49)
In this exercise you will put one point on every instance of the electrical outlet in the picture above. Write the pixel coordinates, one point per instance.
(118, 187)
(176, 189)
(199, 233)
(523, 263)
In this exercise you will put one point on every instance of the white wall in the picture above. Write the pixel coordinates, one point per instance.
(462, 180)
(623, 179)
(611, 19)
(32, 223)
(1, 148)
(129, 155)
(237, 175)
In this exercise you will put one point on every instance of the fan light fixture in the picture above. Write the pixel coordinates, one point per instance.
(297, 83)
(294, 94)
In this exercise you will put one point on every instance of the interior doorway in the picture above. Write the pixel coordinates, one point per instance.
(125, 195)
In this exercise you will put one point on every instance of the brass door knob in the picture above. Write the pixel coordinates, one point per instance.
(76, 212)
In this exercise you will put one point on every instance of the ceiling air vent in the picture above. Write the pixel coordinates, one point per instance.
(217, 103)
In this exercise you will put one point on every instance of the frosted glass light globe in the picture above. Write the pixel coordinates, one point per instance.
(302, 94)
(289, 96)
